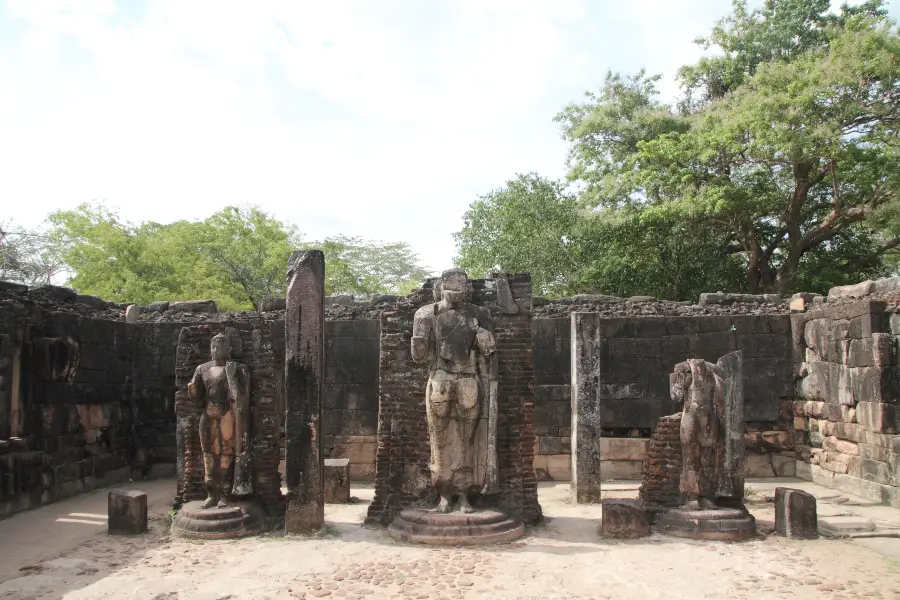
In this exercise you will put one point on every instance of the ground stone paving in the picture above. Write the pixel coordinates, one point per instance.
(561, 559)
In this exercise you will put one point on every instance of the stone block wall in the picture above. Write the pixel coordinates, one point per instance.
(552, 398)
(402, 475)
(66, 391)
(351, 394)
(251, 345)
(847, 410)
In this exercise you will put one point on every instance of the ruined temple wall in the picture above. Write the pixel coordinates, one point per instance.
(847, 408)
(350, 414)
(620, 385)
(66, 370)
(402, 474)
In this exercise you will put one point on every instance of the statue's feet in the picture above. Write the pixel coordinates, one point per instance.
(210, 501)
(691, 505)
(464, 506)
(223, 503)
(444, 505)
(707, 504)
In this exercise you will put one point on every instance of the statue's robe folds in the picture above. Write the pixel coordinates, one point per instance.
(460, 397)
(703, 433)
(225, 424)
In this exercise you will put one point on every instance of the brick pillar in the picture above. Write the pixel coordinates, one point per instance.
(304, 361)
(585, 408)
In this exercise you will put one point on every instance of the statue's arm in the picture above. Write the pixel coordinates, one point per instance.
(484, 336)
(196, 388)
(423, 330)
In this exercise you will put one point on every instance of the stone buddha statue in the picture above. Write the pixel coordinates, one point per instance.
(456, 339)
(223, 386)
(701, 386)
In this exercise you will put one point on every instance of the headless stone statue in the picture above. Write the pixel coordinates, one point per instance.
(455, 338)
(223, 385)
(701, 386)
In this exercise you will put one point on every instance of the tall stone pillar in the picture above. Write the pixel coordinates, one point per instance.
(304, 361)
(585, 408)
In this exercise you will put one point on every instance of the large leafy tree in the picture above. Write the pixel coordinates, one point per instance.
(29, 256)
(525, 226)
(237, 256)
(357, 266)
(786, 142)
(533, 224)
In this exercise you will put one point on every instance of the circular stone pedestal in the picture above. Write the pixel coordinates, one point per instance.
(236, 520)
(455, 529)
(723, 524)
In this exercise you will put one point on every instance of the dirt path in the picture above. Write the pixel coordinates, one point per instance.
(563, 559)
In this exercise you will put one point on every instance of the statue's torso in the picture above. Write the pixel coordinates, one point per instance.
(216, 383)
(455, 328)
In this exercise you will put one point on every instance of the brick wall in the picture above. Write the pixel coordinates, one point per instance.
(402, 476)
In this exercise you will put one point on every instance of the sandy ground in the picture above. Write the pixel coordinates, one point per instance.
(563, 558)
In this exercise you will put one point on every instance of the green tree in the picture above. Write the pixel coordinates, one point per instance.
(359, 267)
(786, 143)
(251, 248)
(525, 226)
(29, 256)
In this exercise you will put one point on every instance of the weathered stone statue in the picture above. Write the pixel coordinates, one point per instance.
(701, 387)
(456, 339)
(224, 424)
(712, 450)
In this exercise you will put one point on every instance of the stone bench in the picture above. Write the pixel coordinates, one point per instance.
(127, 512)
(336, 474)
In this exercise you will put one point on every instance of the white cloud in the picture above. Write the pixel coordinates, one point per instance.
(379, 119)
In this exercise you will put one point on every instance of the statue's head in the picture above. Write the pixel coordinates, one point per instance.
(454, 286)
(220, 347)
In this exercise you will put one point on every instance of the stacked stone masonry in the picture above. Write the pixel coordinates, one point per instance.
(846, 413)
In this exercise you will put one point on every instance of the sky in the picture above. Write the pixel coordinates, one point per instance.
(383, 120)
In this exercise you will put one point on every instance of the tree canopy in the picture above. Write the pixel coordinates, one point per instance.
(237, 256)
(780, 159)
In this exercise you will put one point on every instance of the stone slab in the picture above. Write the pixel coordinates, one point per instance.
(127, 512)
(843, 526)
(336, 475)
(624, 518)
(795, 513)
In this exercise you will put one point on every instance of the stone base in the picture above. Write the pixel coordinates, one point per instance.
(237, 520)
(624, 518)
(723, 524)
(455, 529)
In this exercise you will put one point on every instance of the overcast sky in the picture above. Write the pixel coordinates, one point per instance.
(383, 119)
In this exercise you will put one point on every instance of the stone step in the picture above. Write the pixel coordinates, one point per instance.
(843, 526)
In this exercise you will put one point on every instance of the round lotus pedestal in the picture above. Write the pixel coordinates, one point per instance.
(236, 520)
(722, 524)
(455, 529)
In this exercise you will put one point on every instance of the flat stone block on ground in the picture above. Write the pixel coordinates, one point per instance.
(795, 514)
(625, 518)
(844, 525)
(127, 512)
(337, 480)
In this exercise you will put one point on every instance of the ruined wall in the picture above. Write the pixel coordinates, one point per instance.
(67, 394)
(252, 346)
(848, 391)
(620, 383)
(351, 394)
(402, 476)
(552, 398)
